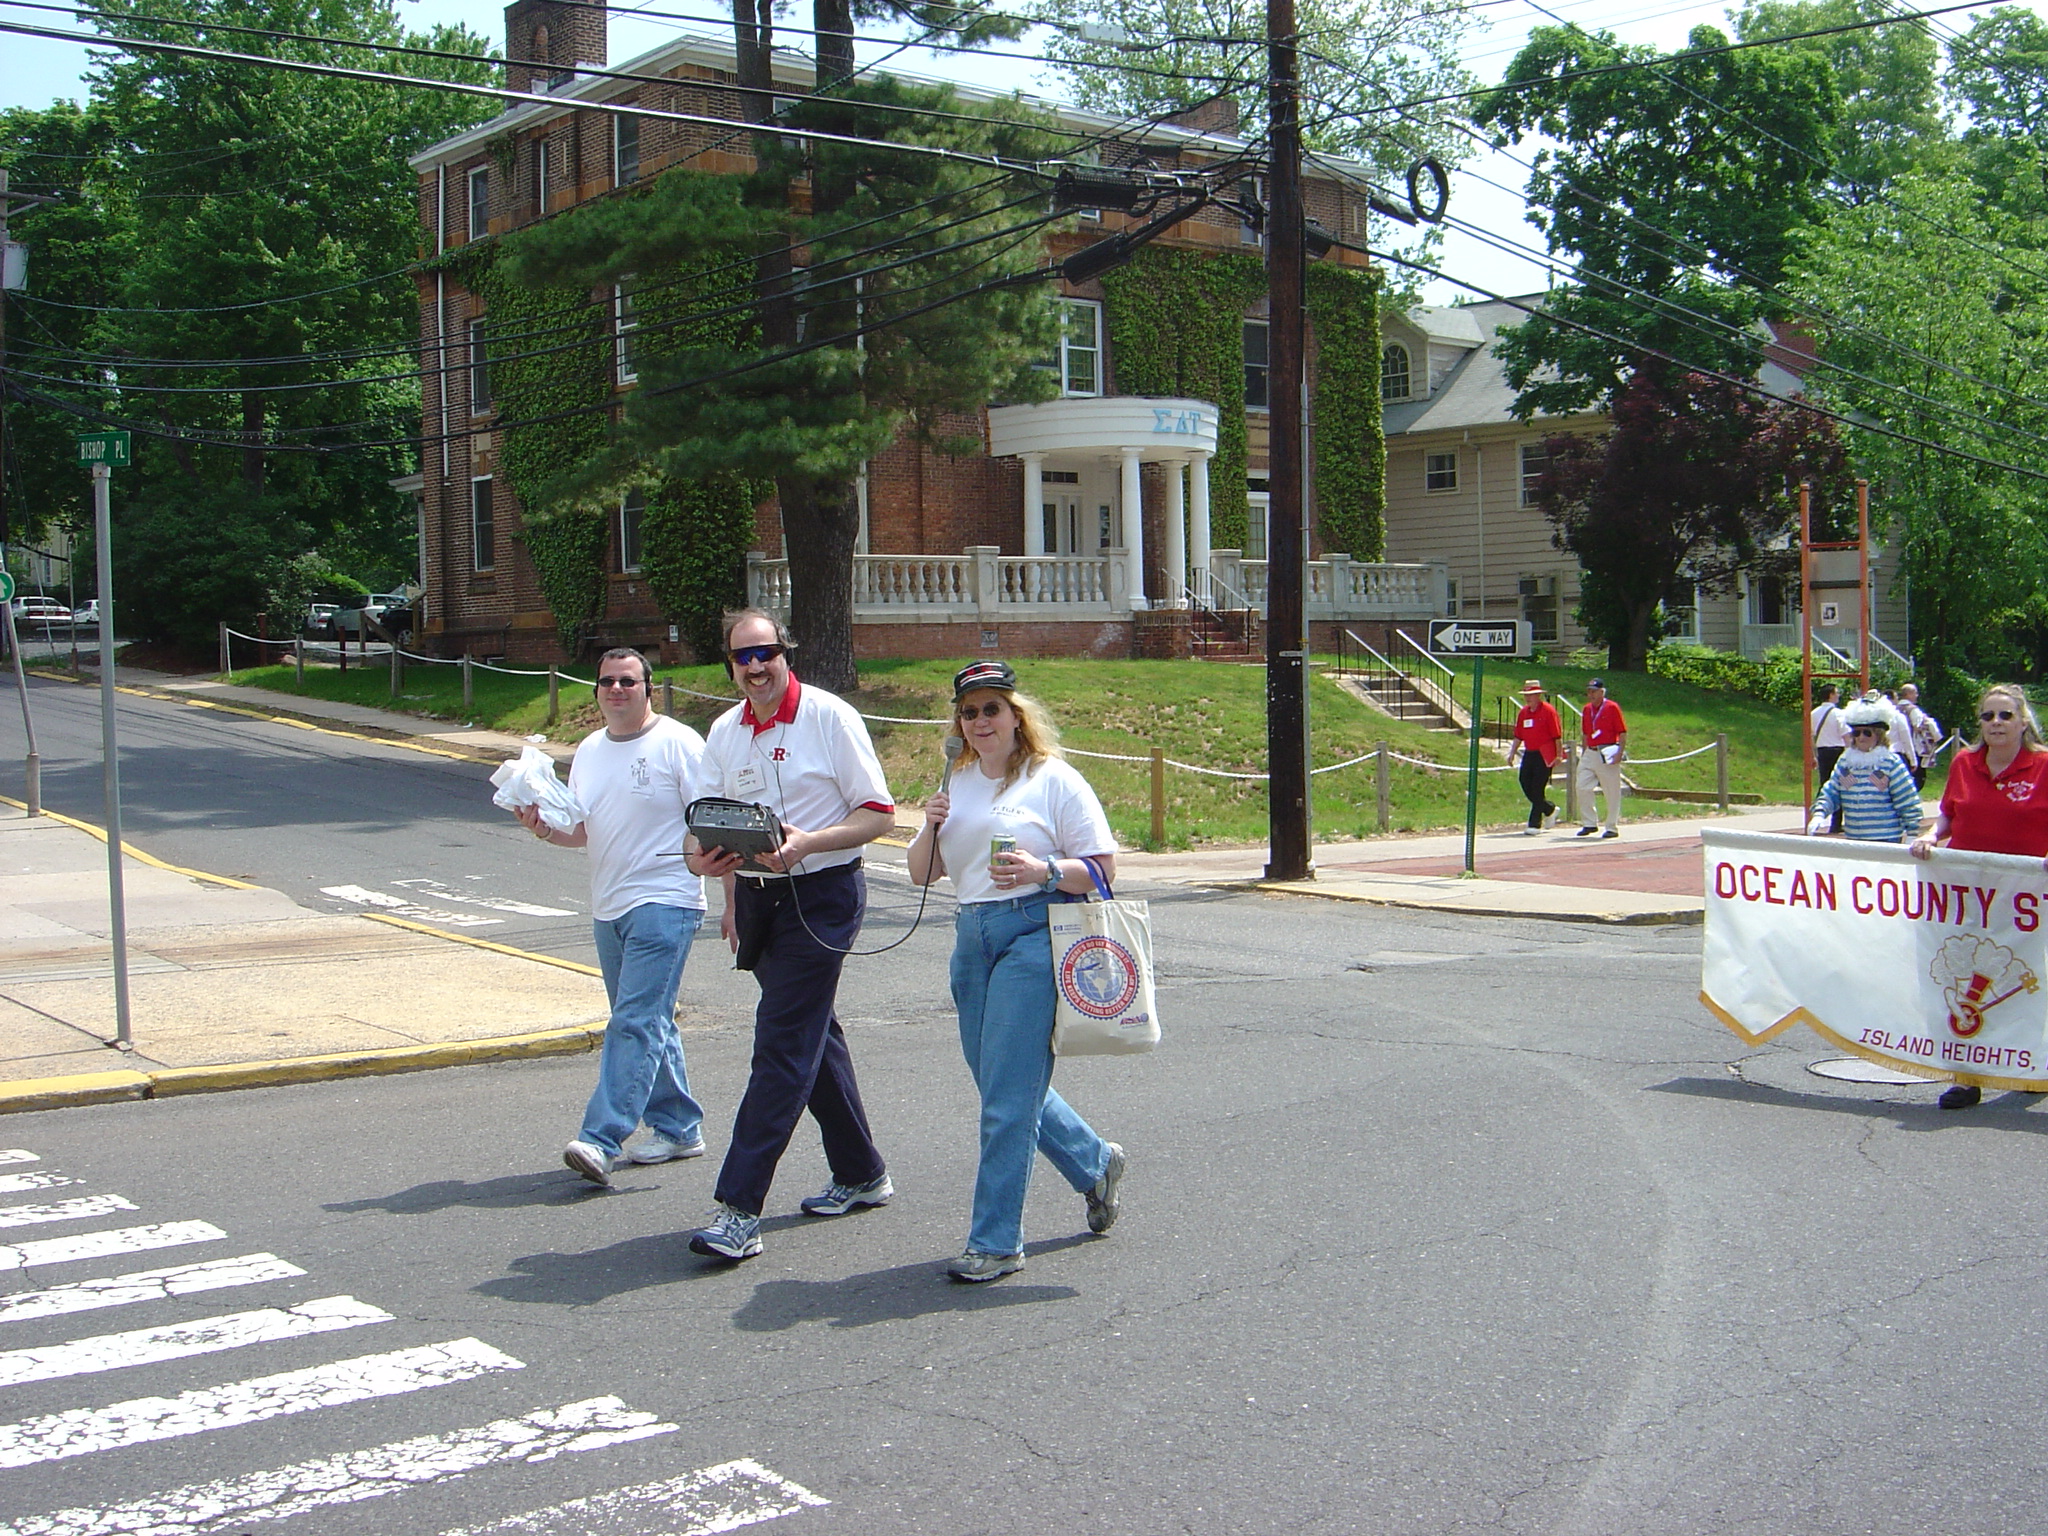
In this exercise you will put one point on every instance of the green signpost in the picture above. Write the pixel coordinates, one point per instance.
(108, 448)
(1479, 639)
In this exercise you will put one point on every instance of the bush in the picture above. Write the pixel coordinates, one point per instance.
(1775, 679)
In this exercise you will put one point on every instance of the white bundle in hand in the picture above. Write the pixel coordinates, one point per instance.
(530, 779)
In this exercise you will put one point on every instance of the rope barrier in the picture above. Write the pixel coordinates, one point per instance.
(1645, 762)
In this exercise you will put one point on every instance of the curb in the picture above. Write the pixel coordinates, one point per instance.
(169, 1082)
(1689, 916)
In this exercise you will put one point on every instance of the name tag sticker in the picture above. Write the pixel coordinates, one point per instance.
(749, 780)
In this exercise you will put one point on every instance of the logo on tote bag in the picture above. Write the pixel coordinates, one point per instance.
(1099, 977)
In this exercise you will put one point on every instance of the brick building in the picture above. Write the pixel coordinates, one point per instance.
(1082, 527)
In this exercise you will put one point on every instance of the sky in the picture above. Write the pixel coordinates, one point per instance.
(1486, 192)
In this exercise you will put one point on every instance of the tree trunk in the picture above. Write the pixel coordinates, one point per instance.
(1635, 652)
(252, 441)
(753, 42)
(834, 21)
(820, 520)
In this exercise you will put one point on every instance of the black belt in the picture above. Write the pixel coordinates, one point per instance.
(763, 881)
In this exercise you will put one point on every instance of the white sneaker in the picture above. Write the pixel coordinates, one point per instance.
(593, 1163)
(659, 1149)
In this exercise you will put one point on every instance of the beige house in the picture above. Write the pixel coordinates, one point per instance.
(1461, 491)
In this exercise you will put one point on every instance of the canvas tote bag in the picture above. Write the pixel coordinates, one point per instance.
(1102, 974)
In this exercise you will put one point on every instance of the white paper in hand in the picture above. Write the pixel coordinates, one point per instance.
(530, 779)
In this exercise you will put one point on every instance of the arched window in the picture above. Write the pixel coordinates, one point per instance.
(540, 45)
(1394, 372)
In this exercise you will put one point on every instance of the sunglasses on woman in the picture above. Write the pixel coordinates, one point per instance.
(752, 655)
(987, 711)
(1989, 715)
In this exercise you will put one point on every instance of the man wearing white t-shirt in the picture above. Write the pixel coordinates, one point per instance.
(805, 754)
(633, 779)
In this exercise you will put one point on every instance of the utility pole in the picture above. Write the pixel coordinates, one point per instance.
(1287, 759)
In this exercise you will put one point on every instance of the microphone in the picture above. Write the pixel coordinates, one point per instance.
(954, 746)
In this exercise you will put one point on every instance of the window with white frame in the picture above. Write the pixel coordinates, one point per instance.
(1080, 347)
(1538, 596)
(1259, 509)
(1682, 612)
(1770, 603)
(1257, 365)
(1535, 461)
(479, 202)
(625, 149)
(1440, 472)
(625, 321)
(632, 509)
(1253, 191)
(483, 532)
(1451, 598)
(540, 176)
(1393, 372)
(479, 371)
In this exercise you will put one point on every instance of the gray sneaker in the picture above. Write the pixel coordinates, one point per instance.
(838, 1199)
(1102, 1202)
(733, 1234)
(593, 1163)
(659, 1149)
(974, 1267)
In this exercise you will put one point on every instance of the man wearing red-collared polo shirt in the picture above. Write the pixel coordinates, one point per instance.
(1603, 737)
(805, 754)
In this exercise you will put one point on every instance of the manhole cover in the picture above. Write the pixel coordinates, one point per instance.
(1852, 1069)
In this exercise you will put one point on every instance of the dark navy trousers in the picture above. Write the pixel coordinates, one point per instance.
(800, 1056)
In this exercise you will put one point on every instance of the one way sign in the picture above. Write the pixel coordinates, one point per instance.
(1471, 637)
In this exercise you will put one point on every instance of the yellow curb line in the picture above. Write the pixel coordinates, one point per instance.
(1417, 904)
(109, 1087)
(498, 949)
(171, 697)
(129, 850)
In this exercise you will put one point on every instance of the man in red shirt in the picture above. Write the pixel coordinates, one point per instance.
(1603, 746)
(1538, 741)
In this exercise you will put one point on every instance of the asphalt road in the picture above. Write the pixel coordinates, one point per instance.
(1434, 1225)
(338, 824)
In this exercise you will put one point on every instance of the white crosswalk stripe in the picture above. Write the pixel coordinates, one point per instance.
(175, 1341)
(82, 1431)
(716, 1499)
(356, 1476)
(144, 1285)
(64, 1210)
(22, 1183)
(721, 1498)
(105, 1245)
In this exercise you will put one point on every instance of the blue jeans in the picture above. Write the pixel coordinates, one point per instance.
(640, 1072)
(1002, 985)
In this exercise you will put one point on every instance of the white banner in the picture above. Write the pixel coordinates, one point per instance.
(1933, 966)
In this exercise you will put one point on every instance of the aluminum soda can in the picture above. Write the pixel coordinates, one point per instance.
(999, 845)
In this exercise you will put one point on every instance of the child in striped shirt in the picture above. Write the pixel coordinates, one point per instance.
(1871, 787)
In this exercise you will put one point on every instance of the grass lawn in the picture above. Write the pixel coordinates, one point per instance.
(1203, 713)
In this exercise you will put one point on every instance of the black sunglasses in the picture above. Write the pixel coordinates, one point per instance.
(987, 711)
(618, 682)
(1989, 715)
(749, 655)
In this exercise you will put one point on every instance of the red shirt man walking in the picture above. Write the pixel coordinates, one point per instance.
(1604, 744)
(1539, 737)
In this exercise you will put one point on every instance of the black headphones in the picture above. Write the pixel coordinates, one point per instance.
(781, 638)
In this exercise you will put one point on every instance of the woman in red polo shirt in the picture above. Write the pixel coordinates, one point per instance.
(1996, 801)
(1539, 735)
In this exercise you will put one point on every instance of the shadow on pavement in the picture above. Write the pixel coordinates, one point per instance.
(1908, 1117)
(892, 1295)
(556, 1188)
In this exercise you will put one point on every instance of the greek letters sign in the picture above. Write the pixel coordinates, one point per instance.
(1472, 637)
(1933, 966)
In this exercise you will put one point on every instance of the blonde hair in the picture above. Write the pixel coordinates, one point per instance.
(1037, 737)
(2030, 728)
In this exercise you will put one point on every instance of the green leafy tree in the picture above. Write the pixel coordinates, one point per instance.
(1997, 81)
(908, 338)
(1693, 478)
(1937, 313)
(1678, 189)
(1892, 119)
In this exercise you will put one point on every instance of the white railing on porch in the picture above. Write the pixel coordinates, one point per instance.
(982, 581)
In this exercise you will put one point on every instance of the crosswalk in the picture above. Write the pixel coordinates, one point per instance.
(721, 1498)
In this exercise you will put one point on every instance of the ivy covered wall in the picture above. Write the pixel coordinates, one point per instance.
(1176, 328)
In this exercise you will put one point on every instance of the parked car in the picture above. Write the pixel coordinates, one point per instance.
(319, 623)
(43, 613)
(86, 615)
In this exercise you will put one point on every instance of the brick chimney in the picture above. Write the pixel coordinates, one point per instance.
(1218, 116)
(556, 35)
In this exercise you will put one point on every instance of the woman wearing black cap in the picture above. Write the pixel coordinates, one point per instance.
(1014, 824)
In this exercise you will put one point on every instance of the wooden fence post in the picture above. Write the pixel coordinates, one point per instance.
(1571, 780)
(299, 662)
(1158, 798)
(1721, 769)
(468, 685)
(554, 692)
(1380, 787)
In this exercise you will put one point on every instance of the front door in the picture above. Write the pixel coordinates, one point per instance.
(1063, 524)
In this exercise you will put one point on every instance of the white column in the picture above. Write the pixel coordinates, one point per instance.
(1133, 500)
(1198, 523)
(1176, 537)
(1034, 503)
